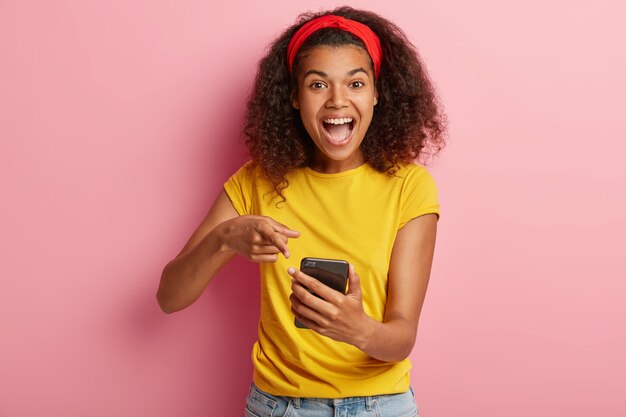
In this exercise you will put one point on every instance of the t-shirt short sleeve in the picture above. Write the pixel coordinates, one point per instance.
(239, 190)
(419, 195)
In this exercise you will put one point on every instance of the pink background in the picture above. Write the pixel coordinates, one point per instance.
(120, 120)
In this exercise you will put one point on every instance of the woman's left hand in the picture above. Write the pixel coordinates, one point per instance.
(335, 315)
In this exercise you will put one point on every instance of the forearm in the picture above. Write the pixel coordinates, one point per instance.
(409, 273)
(184, 279)
(391, 341)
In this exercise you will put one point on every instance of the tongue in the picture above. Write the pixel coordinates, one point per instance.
(339, 132)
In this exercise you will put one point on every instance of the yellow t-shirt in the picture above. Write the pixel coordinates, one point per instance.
(355, 216)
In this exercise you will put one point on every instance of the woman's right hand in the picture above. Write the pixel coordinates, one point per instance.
(258, 238)
(222, 233)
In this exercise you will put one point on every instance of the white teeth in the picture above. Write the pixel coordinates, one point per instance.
(339, 121)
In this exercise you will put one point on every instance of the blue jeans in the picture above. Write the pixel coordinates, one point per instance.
(262, 404)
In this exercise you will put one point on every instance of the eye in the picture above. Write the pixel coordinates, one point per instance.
(357, 84)
(317, 85)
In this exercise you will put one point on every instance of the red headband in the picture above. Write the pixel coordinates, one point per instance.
(363, 32)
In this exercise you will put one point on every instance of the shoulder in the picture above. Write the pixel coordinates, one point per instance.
(419, 192)
(248, 173)
(411, 168)
(402, 175)
(417, 182)
(413, 173)
(245, 187)
(248, 169)
(242, 180)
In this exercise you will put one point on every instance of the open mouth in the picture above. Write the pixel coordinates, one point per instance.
(338, 130)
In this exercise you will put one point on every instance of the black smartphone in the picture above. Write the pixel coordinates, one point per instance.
(331, 272)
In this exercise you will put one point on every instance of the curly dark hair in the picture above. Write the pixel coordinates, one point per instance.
(408, 123)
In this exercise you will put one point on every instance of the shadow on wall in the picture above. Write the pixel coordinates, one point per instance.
(233, 298)
(234, 307)
(201, 353)
(216, 371)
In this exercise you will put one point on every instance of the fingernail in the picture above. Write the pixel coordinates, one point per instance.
(291, 270)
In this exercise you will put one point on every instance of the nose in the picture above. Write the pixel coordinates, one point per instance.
(337, 98)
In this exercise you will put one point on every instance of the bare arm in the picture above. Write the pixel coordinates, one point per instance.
(221, 235)
(342, 317)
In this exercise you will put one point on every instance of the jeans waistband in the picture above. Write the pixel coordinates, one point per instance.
(297, 401)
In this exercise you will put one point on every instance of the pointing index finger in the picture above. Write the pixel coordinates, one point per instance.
(282, 246)
(282, 229)
(269, 232)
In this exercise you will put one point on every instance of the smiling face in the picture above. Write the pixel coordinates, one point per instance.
(336, 97)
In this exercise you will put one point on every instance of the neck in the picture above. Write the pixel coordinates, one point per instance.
(325, 165)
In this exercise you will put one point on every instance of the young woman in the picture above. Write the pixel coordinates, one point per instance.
(341, 109)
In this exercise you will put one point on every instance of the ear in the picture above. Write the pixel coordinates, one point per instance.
(294, 100)
(375, 96)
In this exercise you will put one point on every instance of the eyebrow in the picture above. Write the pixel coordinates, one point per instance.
(324, 75)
